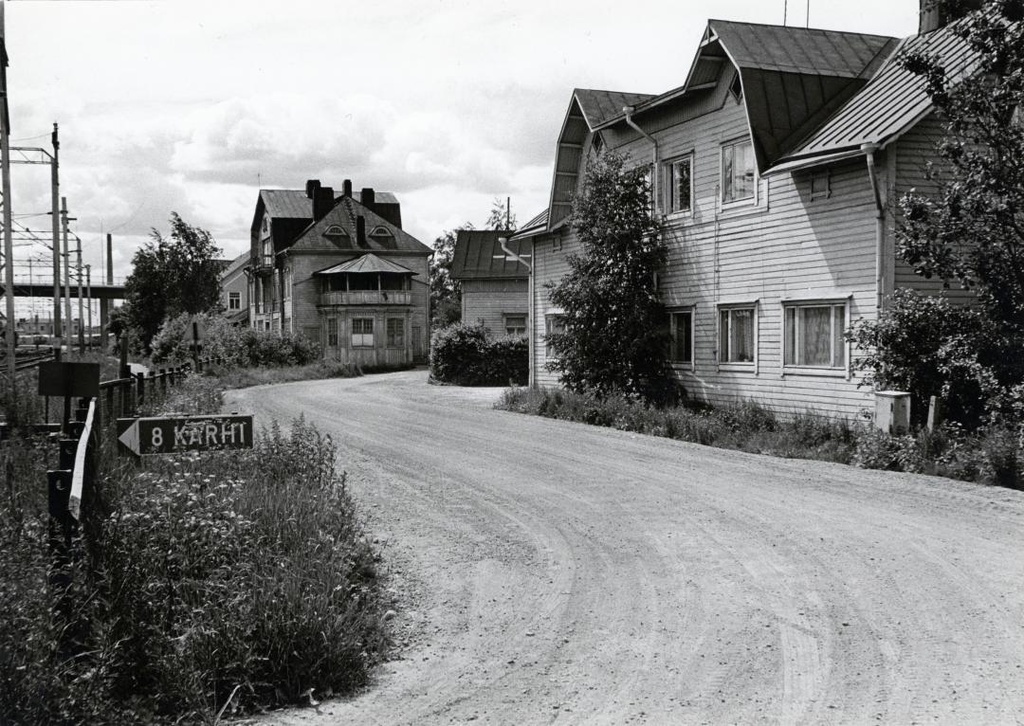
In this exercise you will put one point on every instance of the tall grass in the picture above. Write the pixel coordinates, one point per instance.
(210, 584)
(745, 427)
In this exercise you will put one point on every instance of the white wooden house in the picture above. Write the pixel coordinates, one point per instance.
(774, 168)
(494, 283)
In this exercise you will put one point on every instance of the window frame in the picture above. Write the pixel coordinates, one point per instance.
(672, 187)
(550, 319)
(724, 335)
(362, 334)
(691, 329)
(234, 300)
(505, 322)
(798, 305)
(394, 339)
(333, 332)
(752, 200)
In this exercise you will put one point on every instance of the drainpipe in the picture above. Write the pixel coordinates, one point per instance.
(628, 110)
(503, 241)
(869, 154)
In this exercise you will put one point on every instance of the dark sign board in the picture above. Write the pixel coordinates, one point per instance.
(144, 436)
(57, 378)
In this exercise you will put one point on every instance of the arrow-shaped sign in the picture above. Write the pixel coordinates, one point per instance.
(144, 436)
(130, 437)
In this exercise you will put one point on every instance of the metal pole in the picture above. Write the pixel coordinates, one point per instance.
(54, 195)
(88, 293)
(67, 275)
(5, 173)
(81, 302)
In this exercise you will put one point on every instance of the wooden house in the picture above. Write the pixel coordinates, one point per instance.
(234, 290)
(494, 283)
(338, 268)
(774, 170)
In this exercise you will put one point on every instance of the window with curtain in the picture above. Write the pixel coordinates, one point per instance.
(814, 335)
(736, 335)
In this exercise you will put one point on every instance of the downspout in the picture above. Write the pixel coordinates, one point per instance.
(628, 110)
(503, 241)
(876, 190)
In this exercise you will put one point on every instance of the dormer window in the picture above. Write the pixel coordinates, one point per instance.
(383, 236)
(337, 235)
(736, 88)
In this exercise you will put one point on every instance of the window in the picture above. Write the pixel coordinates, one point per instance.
(681, 330)
(362, 332)
(736, 335)
(814, 335)
(332, 332)
(738, 177)
(515, 325)
(234, 301)
(680, 185)
(336, 235)
(383, 237)
(396, 333)
(821, 184)
(288, 284)
(553, 325)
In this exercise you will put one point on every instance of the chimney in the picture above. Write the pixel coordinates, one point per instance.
(935, 14)
(323, 202)
(361, 231)
(368, 197)
(311, 188)
(346, 188)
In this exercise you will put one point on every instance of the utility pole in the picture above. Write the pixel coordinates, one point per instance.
(81, 309)
(67, 274)
(54, 194)
(88, 293)
(5, 173)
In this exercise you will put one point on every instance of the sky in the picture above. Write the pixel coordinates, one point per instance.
(192, 107)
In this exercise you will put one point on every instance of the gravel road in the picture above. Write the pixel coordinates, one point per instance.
(550, 572)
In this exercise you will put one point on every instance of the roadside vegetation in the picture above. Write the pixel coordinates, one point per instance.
(204, 585)
(990, 455)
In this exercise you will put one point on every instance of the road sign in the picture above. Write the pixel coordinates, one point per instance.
(69, 379)
(158, 435)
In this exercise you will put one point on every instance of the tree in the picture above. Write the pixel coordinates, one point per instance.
(171, 276)
(614, 338)
(971, 233)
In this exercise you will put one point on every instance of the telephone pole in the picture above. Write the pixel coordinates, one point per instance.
(81, 309)
(54, 194)
(5, 173)
(67, 273)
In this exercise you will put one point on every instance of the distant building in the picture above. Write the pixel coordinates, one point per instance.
(339, 269)
(495, 286)
(234, 290)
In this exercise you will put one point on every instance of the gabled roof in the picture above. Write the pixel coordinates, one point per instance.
(478, 255)
(792, 79)
(600, 106)
(345, 214)
(294, 204)
(537, 225)
(235, 265)
(890, 104)
(368, 263)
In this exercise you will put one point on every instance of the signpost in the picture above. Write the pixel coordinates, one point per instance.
(160, 435)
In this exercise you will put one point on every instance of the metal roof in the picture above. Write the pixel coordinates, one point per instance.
(892, 102)
(478, 255)
(600, 106)
(368, 263)
(294, 204)
(345, 213)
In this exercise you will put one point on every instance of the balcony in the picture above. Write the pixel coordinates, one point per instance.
(367, 297)
(261, 264)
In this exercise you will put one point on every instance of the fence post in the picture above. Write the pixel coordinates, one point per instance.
(140, 379)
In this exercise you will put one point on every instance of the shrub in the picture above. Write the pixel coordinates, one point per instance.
(241, 347)
(464, 355)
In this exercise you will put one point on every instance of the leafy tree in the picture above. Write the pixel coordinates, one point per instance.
(614, 337)
(971, 233)
(170, 276)
(501, 217)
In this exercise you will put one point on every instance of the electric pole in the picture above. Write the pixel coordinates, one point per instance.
(81, 309)
(54, 198)
(5, 173)
(88, 294)
(67, 273)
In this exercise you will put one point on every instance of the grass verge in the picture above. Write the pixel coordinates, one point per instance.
(205, 585)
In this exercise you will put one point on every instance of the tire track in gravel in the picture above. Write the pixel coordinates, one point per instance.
(557, 573)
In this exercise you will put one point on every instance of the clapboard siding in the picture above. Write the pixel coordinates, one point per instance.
(489, 301)
(784, 247)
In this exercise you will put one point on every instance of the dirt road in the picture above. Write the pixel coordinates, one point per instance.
(555, 573)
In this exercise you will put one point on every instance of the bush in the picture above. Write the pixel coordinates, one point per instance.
(464, 355)
(221, 584)
(236, 347)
